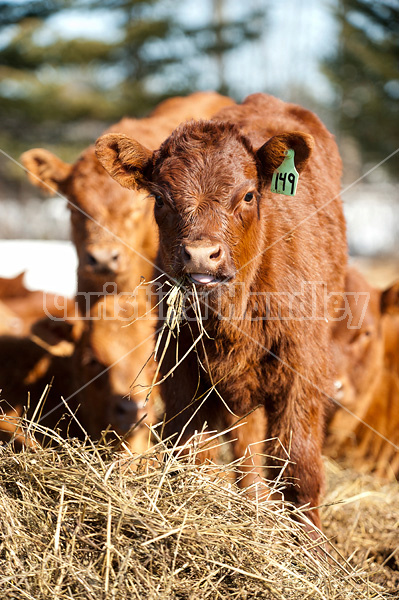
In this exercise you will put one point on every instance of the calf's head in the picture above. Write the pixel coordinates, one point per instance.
(108, 353)
(360, 350)
(108, 224)
(210, 188)
(111, 358)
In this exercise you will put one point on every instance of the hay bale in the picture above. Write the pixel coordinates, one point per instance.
(361, 518)
(79, 521)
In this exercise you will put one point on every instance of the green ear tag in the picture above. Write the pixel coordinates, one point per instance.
(285, 178)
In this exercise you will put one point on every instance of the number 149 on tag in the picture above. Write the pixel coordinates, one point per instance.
(284, 183)
(285, 177)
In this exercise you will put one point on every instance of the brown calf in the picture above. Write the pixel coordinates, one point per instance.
(94, 364)
(366, 355)
(112, 371)
(223, 231)
(113, 229)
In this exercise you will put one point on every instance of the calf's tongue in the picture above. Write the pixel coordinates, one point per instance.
(201, 278)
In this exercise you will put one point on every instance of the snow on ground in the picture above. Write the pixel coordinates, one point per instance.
(49, 265)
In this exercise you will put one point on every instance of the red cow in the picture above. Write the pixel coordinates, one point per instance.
(114, 369)
(223, 231)
(366, 356)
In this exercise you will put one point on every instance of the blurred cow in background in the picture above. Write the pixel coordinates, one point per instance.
(102, 369)
(366, 355)
(26, 369)
(20, 308)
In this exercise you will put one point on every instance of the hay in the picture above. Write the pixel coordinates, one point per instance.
(79, 521)
(363, 522)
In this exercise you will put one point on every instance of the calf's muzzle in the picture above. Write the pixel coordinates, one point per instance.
(202, 257)
(102, 260)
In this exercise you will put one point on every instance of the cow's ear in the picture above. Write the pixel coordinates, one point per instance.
(390, 299)
(273, 152)
(126, 160)
(58, 337)
(45, 170)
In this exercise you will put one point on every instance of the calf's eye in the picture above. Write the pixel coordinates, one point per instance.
(249, 197)
(158, 200)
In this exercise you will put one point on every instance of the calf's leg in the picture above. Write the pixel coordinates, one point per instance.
(294, 445)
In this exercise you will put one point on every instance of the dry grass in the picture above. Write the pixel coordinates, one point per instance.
(79, 521)
(362, 521)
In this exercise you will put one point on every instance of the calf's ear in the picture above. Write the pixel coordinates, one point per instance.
(45, 170)
(273, 152)
(57, 337)
(126, 160)
(390, 299)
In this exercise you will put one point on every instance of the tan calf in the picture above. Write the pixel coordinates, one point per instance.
(366, 355)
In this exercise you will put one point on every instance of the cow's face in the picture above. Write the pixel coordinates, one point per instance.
(208, 186)
(361, 350)
(111, 357)
(109, 224)
(207, 196)
(111, 227)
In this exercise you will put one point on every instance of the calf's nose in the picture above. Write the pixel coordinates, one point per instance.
(199, 258)
(104, 259)
(123, 414)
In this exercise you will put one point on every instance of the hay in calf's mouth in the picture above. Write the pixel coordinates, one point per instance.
(181, 296)
(174, 299)
(79, 521)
